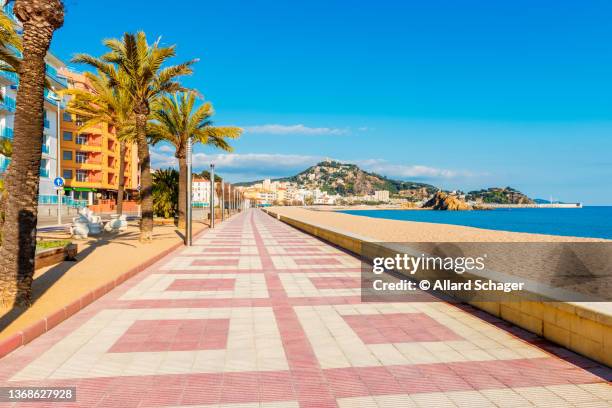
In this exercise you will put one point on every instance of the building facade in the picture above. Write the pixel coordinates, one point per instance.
(9, 82)
(90, 158)
(200, 192)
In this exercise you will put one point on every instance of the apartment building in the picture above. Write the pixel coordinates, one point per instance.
(200, 192)
(90, 158)
(9, 83)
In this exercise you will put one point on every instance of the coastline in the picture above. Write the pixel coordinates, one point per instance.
(387, 230)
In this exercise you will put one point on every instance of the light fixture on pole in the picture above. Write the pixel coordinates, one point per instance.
(222, 202)
(55, 97)
(188, 226)
(212, 195)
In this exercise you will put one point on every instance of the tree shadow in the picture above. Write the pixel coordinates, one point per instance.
(44, 282)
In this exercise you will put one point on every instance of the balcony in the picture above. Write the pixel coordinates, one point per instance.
(54, 75)
(8, 104)
(4, 163)
(8, 78)
(6, 133)
(50, 97)
(8, 10)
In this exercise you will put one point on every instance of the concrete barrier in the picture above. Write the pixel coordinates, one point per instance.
(583, 327)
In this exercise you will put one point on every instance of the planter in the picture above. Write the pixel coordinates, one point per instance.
(52, 256)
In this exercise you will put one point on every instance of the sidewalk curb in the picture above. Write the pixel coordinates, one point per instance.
(45, 324)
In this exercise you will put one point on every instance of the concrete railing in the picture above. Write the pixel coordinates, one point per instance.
(583, 327)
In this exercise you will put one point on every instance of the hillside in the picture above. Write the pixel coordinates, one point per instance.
(348, 179)
(498, 195)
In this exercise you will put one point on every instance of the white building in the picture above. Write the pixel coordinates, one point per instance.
(200, 192)
(267, 184)
(381, 195)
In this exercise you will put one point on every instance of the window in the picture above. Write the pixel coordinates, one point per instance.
(68, 136)
(81, 175)
(44, 171)
(67, 155)
(81, 139)
(67, 174)
(81, 157)
(67, 117)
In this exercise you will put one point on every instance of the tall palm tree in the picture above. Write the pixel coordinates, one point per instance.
(175, 119)
(144, 79)
(40, 19)
(103, 103)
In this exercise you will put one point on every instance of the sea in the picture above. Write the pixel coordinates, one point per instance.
(588, 221)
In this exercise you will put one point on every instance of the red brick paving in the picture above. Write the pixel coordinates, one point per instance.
(305, 380)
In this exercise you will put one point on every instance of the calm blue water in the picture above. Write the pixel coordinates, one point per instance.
(593, 222)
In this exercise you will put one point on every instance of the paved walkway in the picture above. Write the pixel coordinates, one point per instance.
(257, 314)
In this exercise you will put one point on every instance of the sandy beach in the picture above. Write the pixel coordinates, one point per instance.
(411, 231)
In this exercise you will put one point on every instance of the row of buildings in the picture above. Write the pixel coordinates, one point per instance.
(289, 193)
(87, 160)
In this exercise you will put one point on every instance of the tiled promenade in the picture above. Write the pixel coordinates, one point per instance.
(257, 314)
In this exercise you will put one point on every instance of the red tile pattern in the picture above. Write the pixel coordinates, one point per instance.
(202, 284)
(173, 335)
(304, 379)
(399, 328)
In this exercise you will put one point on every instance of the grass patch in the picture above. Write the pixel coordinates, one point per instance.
(52, 244)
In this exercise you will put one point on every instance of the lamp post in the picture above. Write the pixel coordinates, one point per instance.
(222, 202)
(212, 195)
(58, 167)
(188, 227)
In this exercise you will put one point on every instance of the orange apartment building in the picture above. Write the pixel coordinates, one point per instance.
(90, 158)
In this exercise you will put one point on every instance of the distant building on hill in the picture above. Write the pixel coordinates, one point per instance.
(381, 195)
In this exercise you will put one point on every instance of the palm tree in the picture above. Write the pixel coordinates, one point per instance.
(175, 119)
(144, 80)
(102, 103)
(165, 191)
(40, 19)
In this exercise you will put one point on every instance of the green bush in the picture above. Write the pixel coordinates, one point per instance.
(165, 193)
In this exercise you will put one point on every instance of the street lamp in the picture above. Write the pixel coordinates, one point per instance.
(58, 170)
(188, 229)
(212, 195)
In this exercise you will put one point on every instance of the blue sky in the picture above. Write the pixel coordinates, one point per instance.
(462, 95)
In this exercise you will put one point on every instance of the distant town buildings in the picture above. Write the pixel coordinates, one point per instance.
(270, 192)
(200, 192)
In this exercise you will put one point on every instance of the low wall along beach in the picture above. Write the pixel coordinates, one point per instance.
(584, 327)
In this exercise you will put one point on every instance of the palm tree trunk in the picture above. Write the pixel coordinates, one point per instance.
(121, 187)
(146, 181)
(182, 191)
(40, 19)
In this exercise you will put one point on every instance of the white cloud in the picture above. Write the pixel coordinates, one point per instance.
(160, 159)
(242, 167)
(165, 149)
(276, 129)
(416, 171)
(254, 166)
